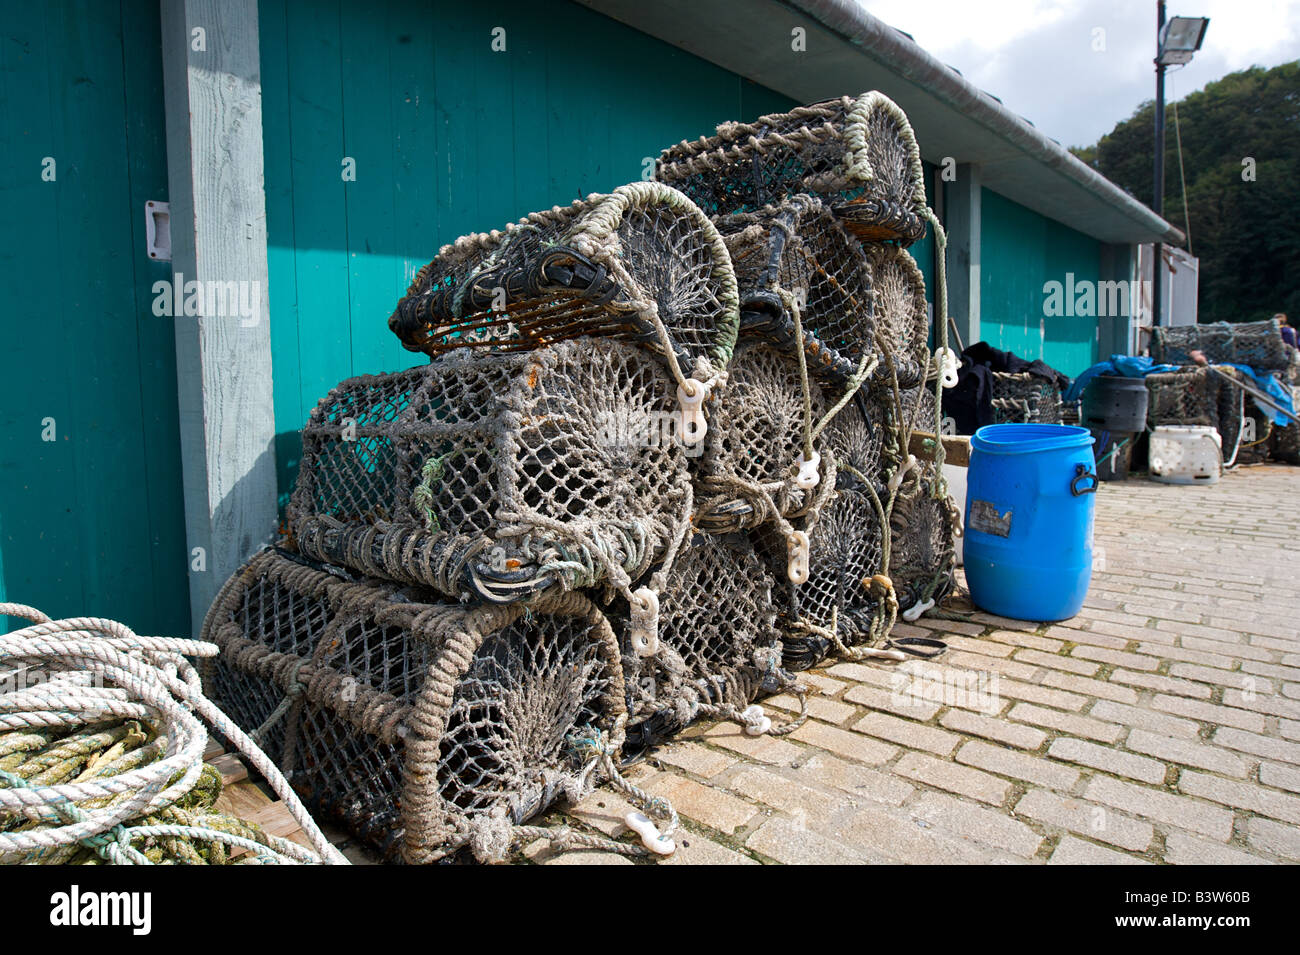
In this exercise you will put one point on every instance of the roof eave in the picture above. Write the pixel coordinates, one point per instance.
(952, 117)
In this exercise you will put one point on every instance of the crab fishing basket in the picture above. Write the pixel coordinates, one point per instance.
(857, 436)
(797, 255)
(1257, 344)
(860, 154)
(1025, 398)
(1285, 444)
(837, 601)
(902, 316)
(923, 525)
(1199, 396)
(498, 476)
(1187, 396)
(748, 472)
(642, 263)
(717, 648)
(421, 727)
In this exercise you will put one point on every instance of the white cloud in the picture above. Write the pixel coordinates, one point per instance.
(1038, 56)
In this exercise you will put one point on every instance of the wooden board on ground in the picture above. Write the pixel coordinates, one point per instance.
(247, 800)
(231, 767)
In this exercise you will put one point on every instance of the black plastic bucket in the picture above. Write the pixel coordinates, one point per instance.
(1113, 450)
(1115, 403)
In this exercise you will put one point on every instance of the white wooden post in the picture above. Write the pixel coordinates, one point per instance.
(213, 101)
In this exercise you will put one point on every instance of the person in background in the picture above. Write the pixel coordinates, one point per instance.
(1288, 333)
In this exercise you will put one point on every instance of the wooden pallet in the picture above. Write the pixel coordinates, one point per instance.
(241, 796)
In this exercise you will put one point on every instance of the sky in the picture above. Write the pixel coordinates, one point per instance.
(1040, 57)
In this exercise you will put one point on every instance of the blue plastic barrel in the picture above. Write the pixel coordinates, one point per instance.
(1029, 513)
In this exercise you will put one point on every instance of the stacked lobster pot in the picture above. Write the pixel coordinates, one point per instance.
(1198, 395)
(808, 449)
(492, 586)
(657, 459)
(1025, 398)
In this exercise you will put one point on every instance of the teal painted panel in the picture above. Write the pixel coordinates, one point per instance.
(1020, 252)
(92, 520)
(449, 136)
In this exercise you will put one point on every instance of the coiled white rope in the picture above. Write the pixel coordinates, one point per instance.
(92, 669)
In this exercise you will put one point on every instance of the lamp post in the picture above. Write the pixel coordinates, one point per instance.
(1176, 42)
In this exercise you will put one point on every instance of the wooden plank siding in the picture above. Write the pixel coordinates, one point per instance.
(448, 137)
(91, 523)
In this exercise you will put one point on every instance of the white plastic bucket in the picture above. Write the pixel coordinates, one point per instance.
(1185, 454)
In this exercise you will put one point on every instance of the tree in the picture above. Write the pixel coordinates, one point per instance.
(1241, 155)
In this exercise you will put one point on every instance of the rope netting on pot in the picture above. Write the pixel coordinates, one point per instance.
(1187, 396)
(923, 526)
(902, 316)
(499, 476)
(798, 248)
(1199, 396)
(101, 754)
(716, 649)
(1285, 439)
(859, 153)
(858, 436)
(1257, 344)
(642, 263)
(754, 468)
(840, 605)
(425, 727)
(1024, 398)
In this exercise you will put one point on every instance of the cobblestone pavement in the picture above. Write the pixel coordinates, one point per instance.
(1160, 725)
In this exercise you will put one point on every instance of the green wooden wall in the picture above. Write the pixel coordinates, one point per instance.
(90, 523)
(448, 137)
(1020, 250)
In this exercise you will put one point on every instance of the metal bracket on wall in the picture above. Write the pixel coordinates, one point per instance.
(158, 230)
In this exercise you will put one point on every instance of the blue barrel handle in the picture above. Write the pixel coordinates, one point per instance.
(1082, 473)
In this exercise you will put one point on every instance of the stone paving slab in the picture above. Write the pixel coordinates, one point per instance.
(1161, 725)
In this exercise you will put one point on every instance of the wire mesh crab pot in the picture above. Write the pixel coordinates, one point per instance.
(717, 644)
(1257, 344)
(421, 727)
(1187, 396)
(799, 249)
(1285, 443)
(1245, 429)
(922, 542)
(1025, 399)
(845, 552)
(496, 475)
(860, 154)
(754, 442)
(642, 263)
(1199, 396)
